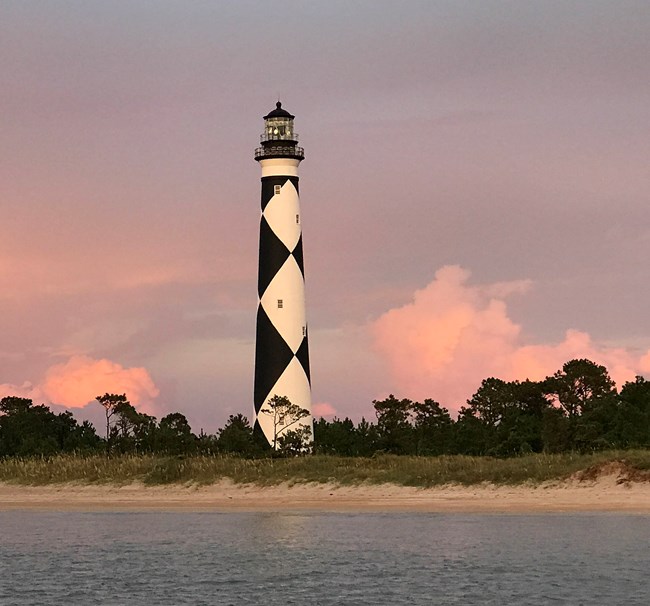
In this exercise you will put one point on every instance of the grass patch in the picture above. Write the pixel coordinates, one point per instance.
(383, 469)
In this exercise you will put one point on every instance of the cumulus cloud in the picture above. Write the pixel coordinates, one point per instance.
(453, 334)
(78, 381)
(26, 390)
(323, 409)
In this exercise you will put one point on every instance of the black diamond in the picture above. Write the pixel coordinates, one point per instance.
(272, 356)
(297, 255)
(273, 254)
(302, 355)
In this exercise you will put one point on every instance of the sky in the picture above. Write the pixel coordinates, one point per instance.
(475, 195)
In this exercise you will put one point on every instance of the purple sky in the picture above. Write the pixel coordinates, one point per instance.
(476, 184)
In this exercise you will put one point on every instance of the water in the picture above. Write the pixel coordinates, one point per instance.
(322, 559)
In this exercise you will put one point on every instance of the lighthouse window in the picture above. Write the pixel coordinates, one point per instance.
(297, 218)
(280, 303)
(277, 189)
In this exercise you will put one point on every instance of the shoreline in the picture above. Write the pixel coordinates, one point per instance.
(605, 494)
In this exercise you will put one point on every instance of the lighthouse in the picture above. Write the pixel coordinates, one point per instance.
(281, 346)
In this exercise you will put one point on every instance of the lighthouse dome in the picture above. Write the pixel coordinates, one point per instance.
(279, 139)
(278, 112)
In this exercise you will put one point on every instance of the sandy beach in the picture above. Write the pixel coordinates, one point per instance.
(604, 494)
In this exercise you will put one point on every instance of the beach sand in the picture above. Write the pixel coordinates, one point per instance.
(606, 493)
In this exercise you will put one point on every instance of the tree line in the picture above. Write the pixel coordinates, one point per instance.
(576, 409)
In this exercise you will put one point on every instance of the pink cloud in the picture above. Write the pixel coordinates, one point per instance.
(453, 334)
(645, 363)
(323, 409)
(78, 381)
(26, 390)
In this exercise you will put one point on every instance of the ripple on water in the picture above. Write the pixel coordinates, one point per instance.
(322, 559)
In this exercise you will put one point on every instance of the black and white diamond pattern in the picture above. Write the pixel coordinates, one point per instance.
(282, 352)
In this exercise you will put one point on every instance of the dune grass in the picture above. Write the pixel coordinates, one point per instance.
(400, 470)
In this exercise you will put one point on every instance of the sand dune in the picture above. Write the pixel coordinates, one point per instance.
(606, 493)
